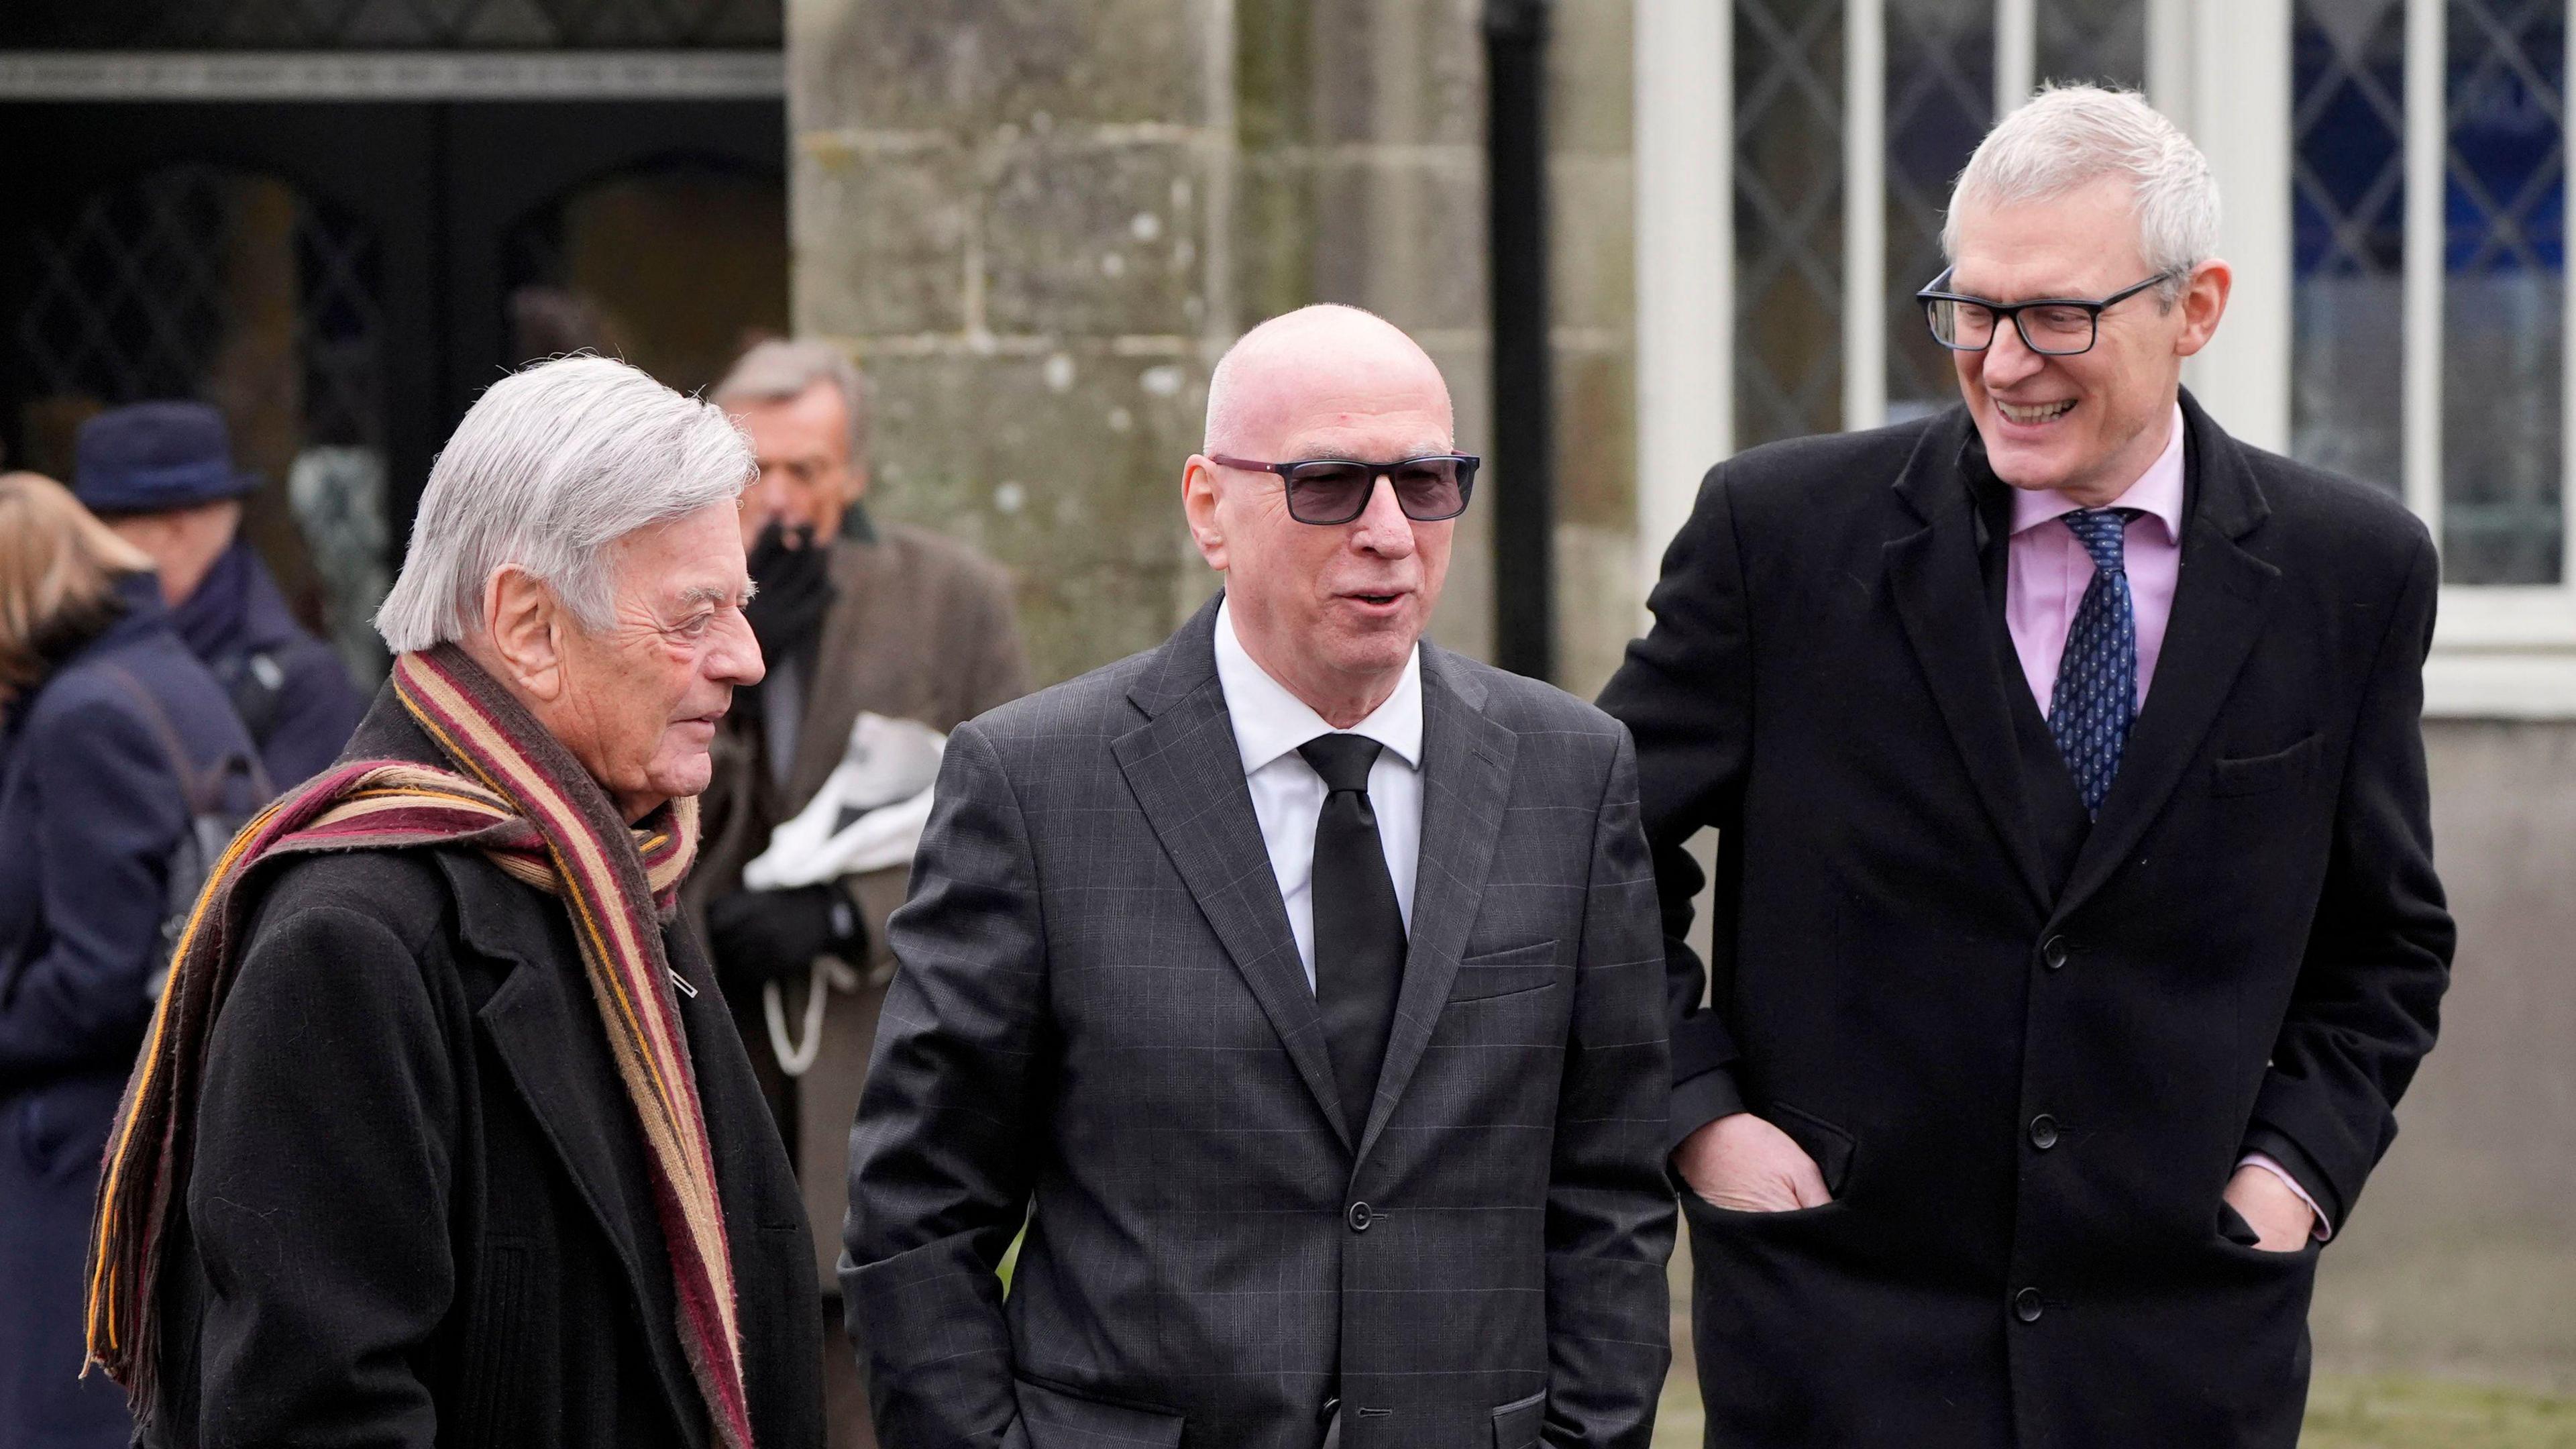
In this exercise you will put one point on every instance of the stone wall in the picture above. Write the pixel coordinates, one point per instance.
(1037, 225)
(2461, 1256)
(1014, 215)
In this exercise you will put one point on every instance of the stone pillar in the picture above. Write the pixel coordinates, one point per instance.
(1362, 180)
(1012, 214)
(1037, 225)
(1600, 592)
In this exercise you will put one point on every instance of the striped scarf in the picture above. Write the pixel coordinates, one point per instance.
(520, 798)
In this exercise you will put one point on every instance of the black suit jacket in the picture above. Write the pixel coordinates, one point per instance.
(420, 1210)
(1100, 1027)
(2029, 1078)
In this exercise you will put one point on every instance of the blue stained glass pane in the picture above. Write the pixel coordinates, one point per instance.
(1940, 100)
(2504, 303)
(2348, 217)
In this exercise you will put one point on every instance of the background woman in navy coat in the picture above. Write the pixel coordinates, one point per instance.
(92, 810)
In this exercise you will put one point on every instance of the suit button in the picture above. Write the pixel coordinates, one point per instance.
(2053, 954)
(2043, 1132)
(2026, 1305)
(1360, 1217)
(1325, 1414)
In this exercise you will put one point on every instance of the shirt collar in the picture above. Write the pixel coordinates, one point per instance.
(1269, 721)
(2157, 493)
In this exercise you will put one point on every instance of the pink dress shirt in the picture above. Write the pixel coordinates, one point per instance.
(2049, 570)
(2046, 574)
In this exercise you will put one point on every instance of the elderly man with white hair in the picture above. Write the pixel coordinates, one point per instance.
(2076, 924)
(442, 1133)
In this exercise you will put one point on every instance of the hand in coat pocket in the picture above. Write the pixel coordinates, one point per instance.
(2281, 1222)
(1743, 1164)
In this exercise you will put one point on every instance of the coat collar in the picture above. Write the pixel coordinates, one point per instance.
(2220, 608)
(1936, 580)
(861, 569)
(1466, 785)
(1181, 761)
(542, 1024)
(2218, 613)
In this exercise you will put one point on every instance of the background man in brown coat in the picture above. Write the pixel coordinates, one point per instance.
(852, 615)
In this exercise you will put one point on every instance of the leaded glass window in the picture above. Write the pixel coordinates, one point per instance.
(237, 289)
(2504, 309)
(1940, 100)
(388, 24)
(2102, 41)
(1788, 218)
(2348, 221)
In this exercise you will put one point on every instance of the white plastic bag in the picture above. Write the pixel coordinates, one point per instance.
(868, 815)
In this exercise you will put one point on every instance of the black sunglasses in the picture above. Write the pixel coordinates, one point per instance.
(2050, 326)
(1337, 490)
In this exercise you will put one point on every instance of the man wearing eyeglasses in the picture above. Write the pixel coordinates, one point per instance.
(2075, 924)
(1296, 983)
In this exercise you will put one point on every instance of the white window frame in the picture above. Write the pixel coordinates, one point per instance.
(2221, 68)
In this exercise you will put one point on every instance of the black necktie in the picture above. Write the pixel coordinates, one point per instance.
(1359, 930)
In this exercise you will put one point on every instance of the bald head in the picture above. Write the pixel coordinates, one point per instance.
(1318, 368)
(1331, 610)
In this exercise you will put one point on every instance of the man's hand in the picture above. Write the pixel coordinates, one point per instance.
(1746, 1165)
(762, 936)
(2281, 1223)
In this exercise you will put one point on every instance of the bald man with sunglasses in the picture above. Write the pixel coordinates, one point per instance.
(1296, 983)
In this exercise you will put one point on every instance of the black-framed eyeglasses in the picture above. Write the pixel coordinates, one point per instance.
(2051, 326)
(1337, 490)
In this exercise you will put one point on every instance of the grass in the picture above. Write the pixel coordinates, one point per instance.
(2344, 1412)
(2414, 1413)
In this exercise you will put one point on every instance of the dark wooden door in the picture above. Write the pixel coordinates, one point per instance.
(343, 275)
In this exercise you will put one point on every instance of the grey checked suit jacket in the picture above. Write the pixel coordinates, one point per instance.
(1100, 1026)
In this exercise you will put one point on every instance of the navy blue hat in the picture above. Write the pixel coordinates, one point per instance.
(156, 456)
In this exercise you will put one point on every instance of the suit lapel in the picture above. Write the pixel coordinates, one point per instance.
(2218, 613)
(1466, 784)
(1938, 587)
(1187, 774)
(545, 1029)
(832, 697)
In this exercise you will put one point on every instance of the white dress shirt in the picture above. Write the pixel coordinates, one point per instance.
(1288, 796)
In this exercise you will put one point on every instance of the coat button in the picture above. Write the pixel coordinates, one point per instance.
(1360, 1217)
(2053, 954)
(2043, 1132)
(2026, 1305)
(1325, 1414)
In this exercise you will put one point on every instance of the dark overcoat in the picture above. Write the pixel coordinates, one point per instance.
(2029, 1054)
(1101, 1026)
(293, 684)
(91, 811)
(420, 1211)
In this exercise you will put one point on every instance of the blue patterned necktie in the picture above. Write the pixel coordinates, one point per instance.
(2097, 676)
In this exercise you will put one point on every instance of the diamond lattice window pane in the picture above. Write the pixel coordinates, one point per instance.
(1788, 218)
(389, 24)
(2103, 41)
(2504, 291)
(1940, 100)
(196, 282)
(2348, 208)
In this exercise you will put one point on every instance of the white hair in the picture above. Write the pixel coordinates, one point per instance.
(777, 370)
(549, 468)
(2069, 137)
